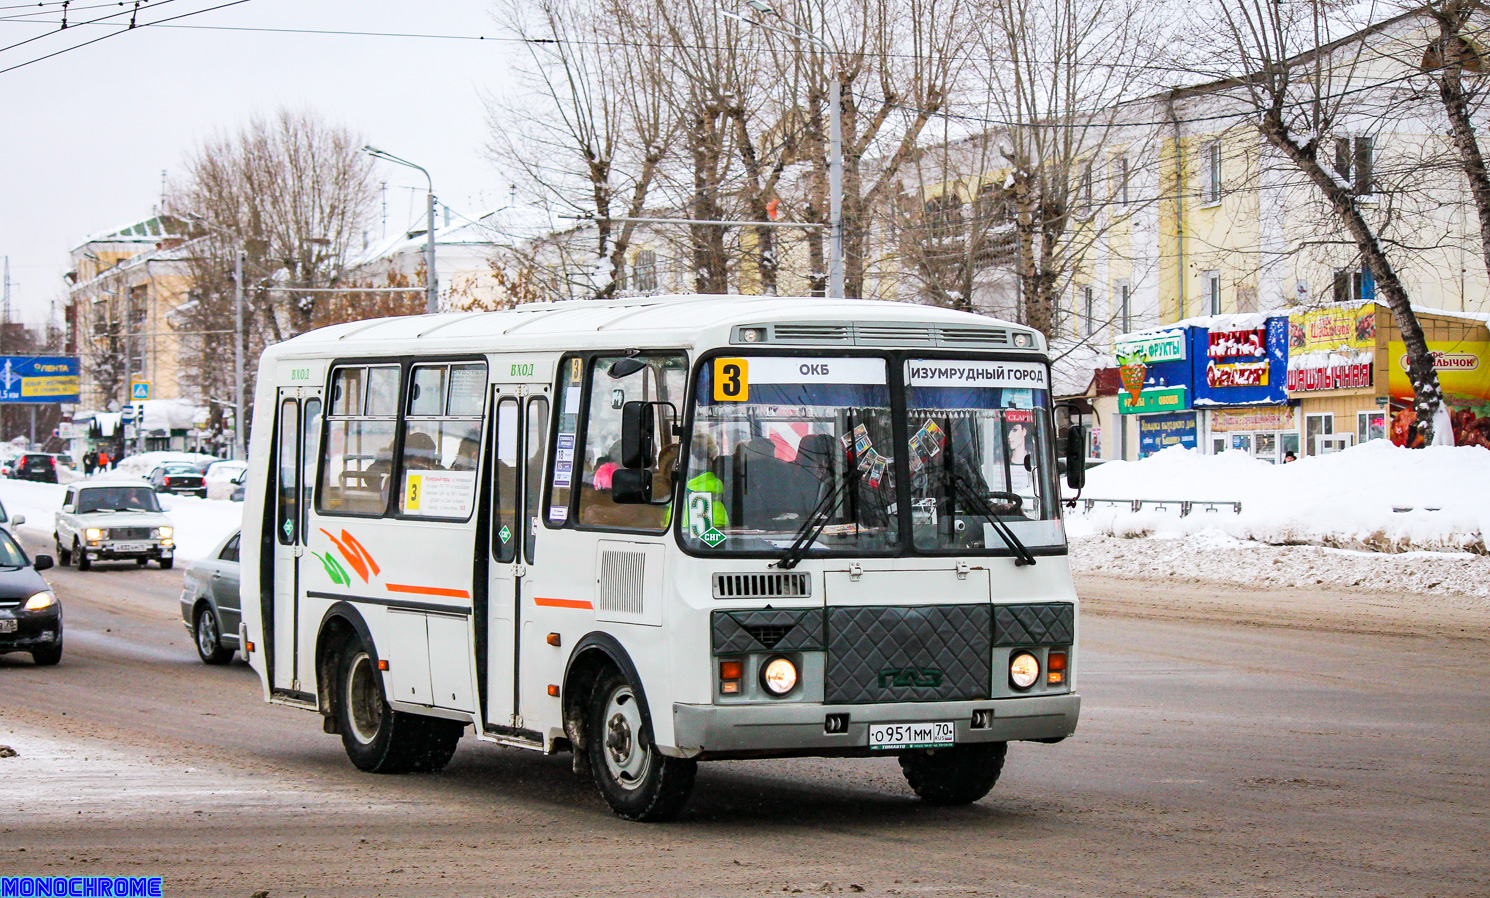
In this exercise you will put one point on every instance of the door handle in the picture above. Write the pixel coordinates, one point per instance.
(217, 576)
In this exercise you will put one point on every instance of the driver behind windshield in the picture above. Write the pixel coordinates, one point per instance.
(117, 499)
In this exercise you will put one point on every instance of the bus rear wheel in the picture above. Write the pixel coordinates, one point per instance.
(961, 774)
(377, 738)
(638, 782)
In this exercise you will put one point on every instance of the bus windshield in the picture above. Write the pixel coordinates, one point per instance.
(790, 450)
(782, 446)
(980, 453)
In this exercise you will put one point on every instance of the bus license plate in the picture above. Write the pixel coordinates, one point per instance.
(7, 626)
(911, 735)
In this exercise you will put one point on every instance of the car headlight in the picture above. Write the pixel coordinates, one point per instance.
(95, 533)
(40, 601)
(164, 532)
(779, 676)
(1024, 670)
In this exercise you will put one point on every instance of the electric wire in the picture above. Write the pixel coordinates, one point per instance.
(123, 30)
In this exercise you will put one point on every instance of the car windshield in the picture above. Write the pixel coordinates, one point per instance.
(980, 449)
(10, 552)
(117, 498)
(786, 448)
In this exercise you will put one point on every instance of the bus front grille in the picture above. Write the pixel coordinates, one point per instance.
(921, 653)
(783, 585)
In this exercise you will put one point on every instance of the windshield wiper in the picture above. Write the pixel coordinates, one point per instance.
(979, 505)
(811, 528)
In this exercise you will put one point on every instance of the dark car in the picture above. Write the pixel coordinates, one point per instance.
(30, 615)
(36, 466)
(179, 478)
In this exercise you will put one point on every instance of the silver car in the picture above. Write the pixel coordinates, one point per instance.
(104, 520)
(209, 602)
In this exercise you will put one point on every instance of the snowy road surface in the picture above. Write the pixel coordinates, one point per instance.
(1233, 742)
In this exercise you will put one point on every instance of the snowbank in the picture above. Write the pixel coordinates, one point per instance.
(200, 523)
(1374, 497)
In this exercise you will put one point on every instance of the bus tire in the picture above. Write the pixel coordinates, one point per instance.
(958, 775)
(377, 738)
(635, 779)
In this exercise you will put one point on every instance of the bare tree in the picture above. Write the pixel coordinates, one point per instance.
(602, 129)
(1298, 87)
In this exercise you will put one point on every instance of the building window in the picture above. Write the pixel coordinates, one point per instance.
(1317, 426)
(1213, 172)
(1120, 180)
(1125, 306)
(1213, 293)
(1084, 196)
(644, 271)
(1370, 425)
(1089, 310)
(1353, 163)
(1354, 286)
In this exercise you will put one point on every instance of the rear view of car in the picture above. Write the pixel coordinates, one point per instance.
(182, 479)
(36, 466)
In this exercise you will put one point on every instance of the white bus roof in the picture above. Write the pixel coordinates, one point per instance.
(664, 321)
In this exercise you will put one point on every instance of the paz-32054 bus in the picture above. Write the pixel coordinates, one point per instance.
(665, 530)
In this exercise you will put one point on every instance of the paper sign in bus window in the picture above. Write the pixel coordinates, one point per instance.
(731, 380)
(439, 494)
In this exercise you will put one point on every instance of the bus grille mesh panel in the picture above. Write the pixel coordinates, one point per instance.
(784, 585)
(621, 575)
(1052, 624)
(737, 632)
(917, 654)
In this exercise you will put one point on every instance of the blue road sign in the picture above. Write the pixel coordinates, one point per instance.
(139, 390)
(38, 379)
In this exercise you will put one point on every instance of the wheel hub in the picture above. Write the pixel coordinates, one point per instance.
(626, 758)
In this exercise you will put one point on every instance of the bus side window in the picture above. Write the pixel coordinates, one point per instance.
(505, 527)
(360, 427)
(537, 443)
(660, 379)
(442, 441)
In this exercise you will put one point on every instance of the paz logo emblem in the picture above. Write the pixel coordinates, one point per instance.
(504, 534)
(712, 537)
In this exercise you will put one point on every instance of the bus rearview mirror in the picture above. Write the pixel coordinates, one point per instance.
(638, 423)
(1076, 456)
(630, 486)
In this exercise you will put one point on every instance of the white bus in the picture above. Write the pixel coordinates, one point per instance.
(664, 530)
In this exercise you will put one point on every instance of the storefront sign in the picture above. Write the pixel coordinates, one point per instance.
(1236, 374)
(1342, 376)
(1262, 417)
(1332, 328)
(1165, 347)
(1157, 432)
(1238, 344)
(1154, 399)
(1463, 371)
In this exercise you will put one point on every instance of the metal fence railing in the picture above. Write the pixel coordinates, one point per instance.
(1186, 506)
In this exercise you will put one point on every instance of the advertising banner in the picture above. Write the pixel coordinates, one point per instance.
(1463, 371)
(1245, 366)
(1262, 417)
(1332, 328)
(1251, 343)
(1157, 432)
(1153, 399)
(1164, 347)
(38, 379)
(1236, 374)
(1347, 372)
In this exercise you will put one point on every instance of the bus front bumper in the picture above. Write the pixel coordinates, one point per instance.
(781, 730)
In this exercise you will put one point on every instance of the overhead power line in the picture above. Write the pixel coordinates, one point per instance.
(130, 27)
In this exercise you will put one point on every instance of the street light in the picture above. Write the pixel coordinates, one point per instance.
(835, 139)
(431, 282)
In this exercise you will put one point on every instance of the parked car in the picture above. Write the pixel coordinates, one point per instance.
(40, 466)
(209, 602)
(178, 477)
(113, 520)
(30, 615)
(225, 479)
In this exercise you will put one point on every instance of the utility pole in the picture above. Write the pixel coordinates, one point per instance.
(238, 428)
(835, 188)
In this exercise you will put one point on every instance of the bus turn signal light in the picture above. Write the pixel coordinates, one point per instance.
(730, 674)
(382, 664)
(553, 639)
(250, 647)
(1056, 661)
(553, 689)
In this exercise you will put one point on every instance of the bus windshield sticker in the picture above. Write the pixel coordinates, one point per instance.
(1030, 375)
(571, 399)
(505, 534)
(700, 514)
(439, 494)
(797, 370)
(558, 514)
(731, 380)
(564, 460)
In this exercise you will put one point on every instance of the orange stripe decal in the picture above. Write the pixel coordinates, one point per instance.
(361, 550)
(352, 558)
(562, 603)
(429, 591)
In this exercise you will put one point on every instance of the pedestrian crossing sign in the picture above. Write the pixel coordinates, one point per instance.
(139, 390)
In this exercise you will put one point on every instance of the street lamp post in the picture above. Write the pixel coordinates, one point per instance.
(835, 141)
(238, 428)
(431, 281)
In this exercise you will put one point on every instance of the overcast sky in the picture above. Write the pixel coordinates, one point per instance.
(85, 136)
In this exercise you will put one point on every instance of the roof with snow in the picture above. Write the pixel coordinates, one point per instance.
(152, 230)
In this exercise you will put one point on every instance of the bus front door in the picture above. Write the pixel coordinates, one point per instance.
(521, 429)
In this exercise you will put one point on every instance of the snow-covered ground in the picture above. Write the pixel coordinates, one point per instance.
(200, 523)
(1373, 497)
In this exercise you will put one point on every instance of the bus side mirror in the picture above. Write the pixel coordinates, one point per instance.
(638, 423)
(1076, 456)
(631, 486)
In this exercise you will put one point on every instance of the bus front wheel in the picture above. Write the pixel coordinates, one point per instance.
(961, 774)
(377, 738)
(636, 780)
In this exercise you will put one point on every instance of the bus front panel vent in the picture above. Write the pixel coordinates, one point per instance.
(893, 334)
(622, 575)
(973, 336)
(811, 333)
(775, 585)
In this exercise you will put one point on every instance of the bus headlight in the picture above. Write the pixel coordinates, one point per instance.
(94, 534)
(1024, 670)
(779, 676)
